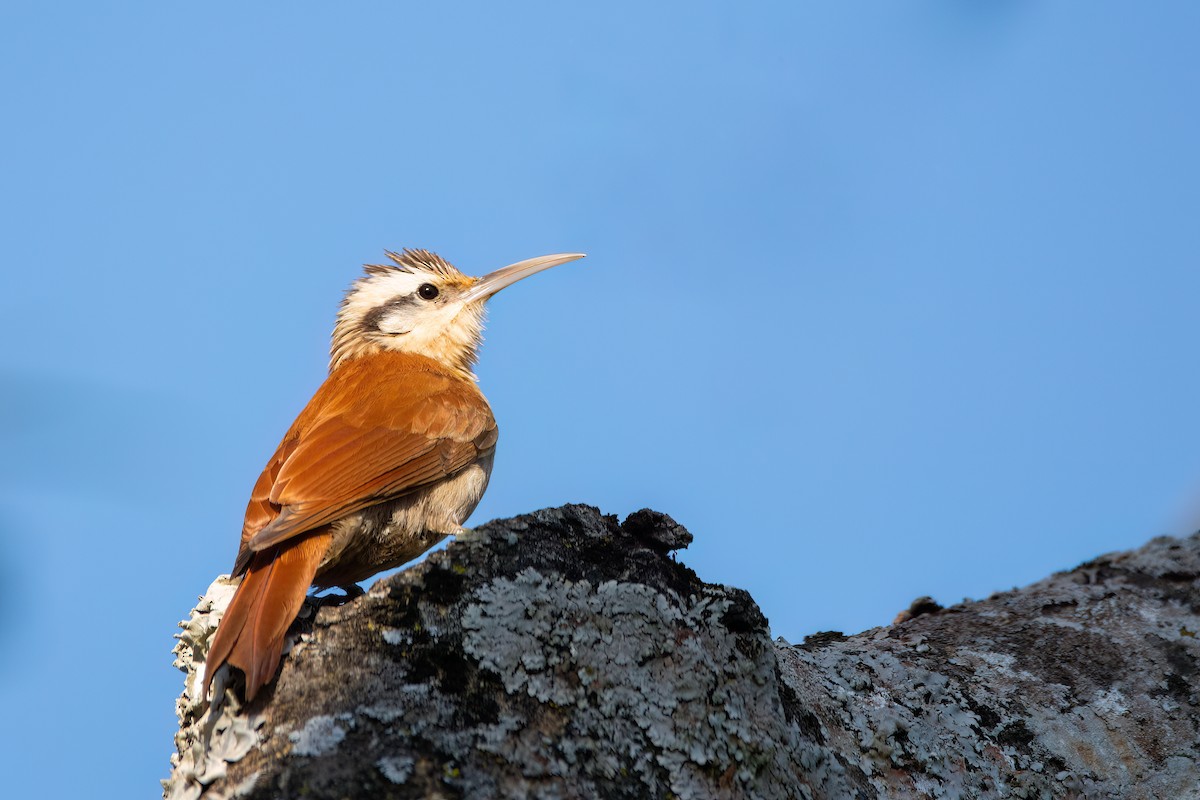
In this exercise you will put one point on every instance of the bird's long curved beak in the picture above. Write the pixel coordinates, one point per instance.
(493, 282)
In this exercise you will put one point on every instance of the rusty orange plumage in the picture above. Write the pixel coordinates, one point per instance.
(391, 454)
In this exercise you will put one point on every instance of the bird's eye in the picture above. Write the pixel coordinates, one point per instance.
(427, 291)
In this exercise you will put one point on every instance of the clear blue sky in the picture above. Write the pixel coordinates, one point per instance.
(881, 300)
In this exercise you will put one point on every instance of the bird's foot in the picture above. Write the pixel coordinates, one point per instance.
(351, 592)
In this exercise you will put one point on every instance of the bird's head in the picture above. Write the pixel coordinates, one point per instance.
(419, 303)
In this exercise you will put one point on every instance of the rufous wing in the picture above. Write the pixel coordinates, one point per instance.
(379, 427)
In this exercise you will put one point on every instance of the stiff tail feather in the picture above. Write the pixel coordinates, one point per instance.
(250, 634)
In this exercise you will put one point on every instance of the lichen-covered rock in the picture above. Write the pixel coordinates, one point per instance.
(1083, 685)
(555, 655)
(563, 655)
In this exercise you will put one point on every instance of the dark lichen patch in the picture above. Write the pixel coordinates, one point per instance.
(440, 661)
(920, 607)
(1060, 606)
(743, 614)
(904, 754)
(1181, 659)
(328, 775)
(1175, 586)
(1180, 679)
(582, 545)
(1092, 566)
(1082, 661)
(1181, 688)
(806, 722)
(1016, 734)
(443, 585)
(1056, 766)
(399, 611)
(989, 717)
(815, 641)
(662, 533)
(1179, 576)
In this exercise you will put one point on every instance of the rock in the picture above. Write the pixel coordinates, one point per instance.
(561, 654)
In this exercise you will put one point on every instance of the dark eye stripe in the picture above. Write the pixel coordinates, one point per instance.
(373, 317)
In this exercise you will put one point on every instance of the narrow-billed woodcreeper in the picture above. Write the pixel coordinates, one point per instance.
(390, 456)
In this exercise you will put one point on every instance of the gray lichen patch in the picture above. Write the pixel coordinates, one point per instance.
(396, 770)
(320, 735)
(209, 739)
(657, 672)
(394, 636)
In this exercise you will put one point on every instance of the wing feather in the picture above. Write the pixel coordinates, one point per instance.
(379, 427)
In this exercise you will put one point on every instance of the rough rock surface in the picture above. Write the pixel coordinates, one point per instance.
(561, 654)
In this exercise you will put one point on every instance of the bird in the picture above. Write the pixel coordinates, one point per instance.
(390, 456)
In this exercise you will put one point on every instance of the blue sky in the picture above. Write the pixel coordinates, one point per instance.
(881, 300)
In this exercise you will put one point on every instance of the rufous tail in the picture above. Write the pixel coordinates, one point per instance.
(250, 635)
